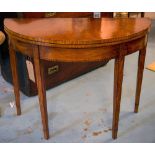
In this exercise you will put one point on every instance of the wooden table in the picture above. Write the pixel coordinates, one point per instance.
(77, 40)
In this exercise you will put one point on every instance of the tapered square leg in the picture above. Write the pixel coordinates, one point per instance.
(13, 64)
(39, 74)
(118, 78)
(141, 62)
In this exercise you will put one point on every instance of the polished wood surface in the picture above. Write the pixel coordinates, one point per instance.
(76, 30)
(78, 40)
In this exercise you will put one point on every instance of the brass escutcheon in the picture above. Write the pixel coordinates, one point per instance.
(53, 69)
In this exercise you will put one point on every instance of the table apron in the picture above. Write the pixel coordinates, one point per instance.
(79, 54)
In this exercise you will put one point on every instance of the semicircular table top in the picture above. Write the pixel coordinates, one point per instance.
(76, 30)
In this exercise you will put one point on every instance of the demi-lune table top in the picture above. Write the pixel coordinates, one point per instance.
(76, 31)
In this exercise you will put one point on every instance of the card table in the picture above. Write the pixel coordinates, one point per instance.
(78, 40)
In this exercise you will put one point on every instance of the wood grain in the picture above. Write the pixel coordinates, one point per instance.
(118, 78)
(141, 62)
(76, 31)
(39, 75)
(14, 70)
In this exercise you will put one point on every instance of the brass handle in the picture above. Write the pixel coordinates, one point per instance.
(50, 14)
(53, 70)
